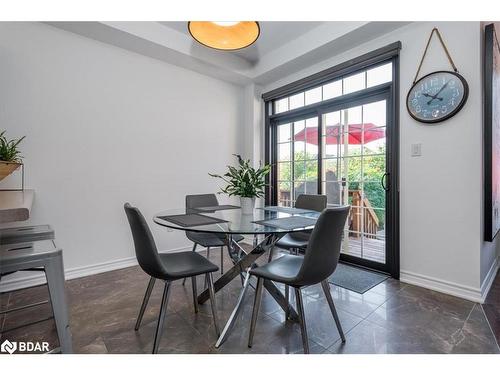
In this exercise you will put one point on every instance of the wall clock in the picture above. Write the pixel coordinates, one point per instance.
(438, 95)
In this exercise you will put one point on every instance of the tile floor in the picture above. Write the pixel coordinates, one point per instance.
(392, 317)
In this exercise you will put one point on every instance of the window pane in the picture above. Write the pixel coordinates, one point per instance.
(284, 133)
(375, 140)
(331, 150)
(352, 170)
(299, 170)
(353, 115)
(374, 195)
(285, 171)
(332, 118)
(284, 194)
(313, 96)
(312, 138)
(333, 192)
(379, 75)
(281, 105)
(332, 90)
(373, 167)
(375, 113)
(312, 171)
(300, 188)
(299, 138)
(354, 83)
(297, 101)
(284, 152)
(331, 169)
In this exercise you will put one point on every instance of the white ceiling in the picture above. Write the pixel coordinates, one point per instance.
(272, 36)
(283, 48)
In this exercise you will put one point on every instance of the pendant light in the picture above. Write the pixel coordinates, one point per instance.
(226, 36)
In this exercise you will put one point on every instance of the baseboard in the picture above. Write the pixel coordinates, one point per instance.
(26, 279)
(443, 286)
(490, 277)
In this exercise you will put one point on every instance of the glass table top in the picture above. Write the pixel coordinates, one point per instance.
(233, 221)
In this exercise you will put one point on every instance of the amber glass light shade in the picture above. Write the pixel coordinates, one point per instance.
(227, 36)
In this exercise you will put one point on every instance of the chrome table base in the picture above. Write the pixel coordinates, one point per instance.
(243, 262)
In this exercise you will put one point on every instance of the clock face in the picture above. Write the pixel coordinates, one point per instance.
(437, 96)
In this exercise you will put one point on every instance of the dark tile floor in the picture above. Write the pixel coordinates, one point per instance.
(491, 307)
(390, 318)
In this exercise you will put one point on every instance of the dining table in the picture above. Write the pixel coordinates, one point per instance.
(264, 227)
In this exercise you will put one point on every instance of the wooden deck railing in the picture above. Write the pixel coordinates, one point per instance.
(371, 221)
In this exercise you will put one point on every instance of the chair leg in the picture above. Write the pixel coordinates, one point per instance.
(255, 312)
(287, 298)
(149, 289)
(302, 319)
(221, 260)
(161, 317)
(195, 294)
(194, 249)
(271, 251)
(208, 257)
(210, 282)
(326, 290)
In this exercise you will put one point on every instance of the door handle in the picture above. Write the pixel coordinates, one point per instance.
(385, 176)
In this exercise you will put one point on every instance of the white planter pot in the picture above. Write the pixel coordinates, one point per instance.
(247, 205)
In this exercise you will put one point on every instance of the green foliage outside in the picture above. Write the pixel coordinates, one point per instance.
(373, 170)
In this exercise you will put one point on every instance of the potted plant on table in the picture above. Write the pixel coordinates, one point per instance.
(10, 156)
(246, 182)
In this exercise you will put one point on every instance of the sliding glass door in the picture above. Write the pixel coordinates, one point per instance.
(297, 159)
(354, 168)
(340, 140)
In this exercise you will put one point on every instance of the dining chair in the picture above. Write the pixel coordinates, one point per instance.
(207, 240)
(167, 267)
(296, 241)
(318, 263)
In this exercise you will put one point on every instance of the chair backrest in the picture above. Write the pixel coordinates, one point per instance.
(311, 202)
(308, 202)
(323, 251)
(145, 247)
(200, 200)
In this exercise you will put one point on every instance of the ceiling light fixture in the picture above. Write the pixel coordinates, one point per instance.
(225, 35)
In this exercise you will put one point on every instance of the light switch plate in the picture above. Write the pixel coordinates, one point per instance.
(416, 149)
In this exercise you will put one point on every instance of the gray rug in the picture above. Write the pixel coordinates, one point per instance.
(356, 279)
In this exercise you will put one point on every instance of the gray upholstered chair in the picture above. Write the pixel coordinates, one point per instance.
(296, 241)
(167, 267)
(318, 263)
(207, 240)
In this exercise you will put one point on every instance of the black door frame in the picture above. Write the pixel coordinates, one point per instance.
(389, 92)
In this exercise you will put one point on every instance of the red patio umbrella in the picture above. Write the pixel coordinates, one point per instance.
(334, 135)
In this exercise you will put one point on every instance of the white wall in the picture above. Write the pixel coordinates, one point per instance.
(104, 126)
(440, 192)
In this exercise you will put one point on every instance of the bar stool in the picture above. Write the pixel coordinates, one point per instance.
(33, 249)
(30, 233)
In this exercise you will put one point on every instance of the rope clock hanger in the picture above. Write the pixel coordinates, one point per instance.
(439, 95)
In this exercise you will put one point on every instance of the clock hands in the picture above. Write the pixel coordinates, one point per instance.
(430, 101)
(435, 96)
(442, 88)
